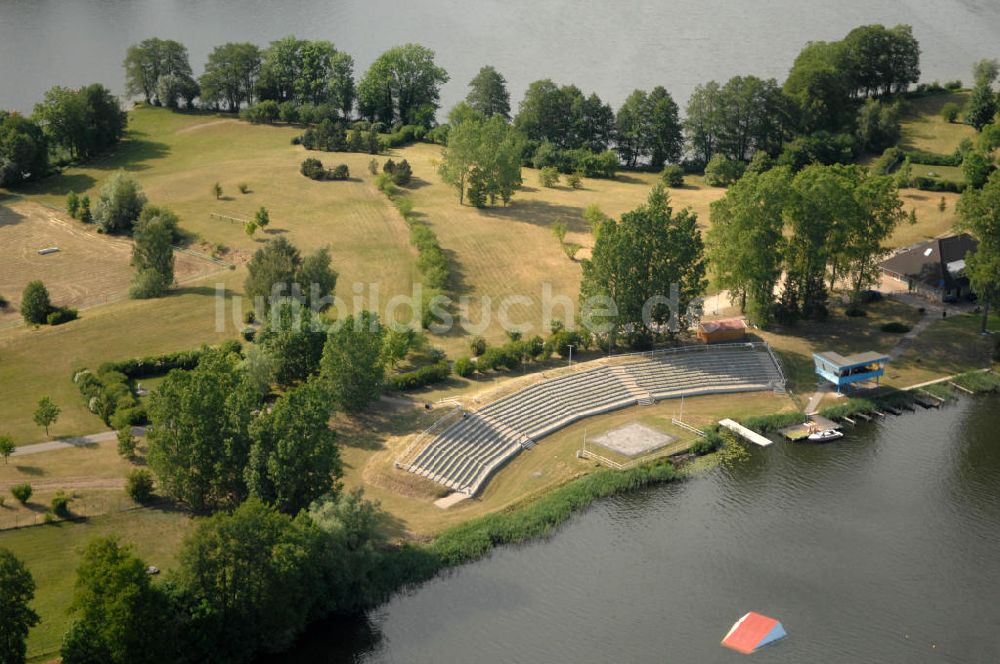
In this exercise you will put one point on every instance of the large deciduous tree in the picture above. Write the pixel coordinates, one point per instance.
(294, 458)
(293, 336)
(746, 241)
(277, 271)
(83, 122)
(148, 62)
(488, 93)
(250, 575)
(120, 204)
(979, 210)
(120, 616)
(17, 589)
(353, 365)
(24, 152)
(648, 127)
(153, 256)
(646, 273)
(199, 441)
(231, 74)
(402, 85)
(483, 157)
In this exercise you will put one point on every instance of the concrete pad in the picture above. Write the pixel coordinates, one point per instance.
(633, 439)
(451, 499)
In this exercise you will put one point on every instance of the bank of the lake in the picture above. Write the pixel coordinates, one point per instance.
(880, 547)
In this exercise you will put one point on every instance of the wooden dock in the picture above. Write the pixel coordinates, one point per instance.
(745, 433)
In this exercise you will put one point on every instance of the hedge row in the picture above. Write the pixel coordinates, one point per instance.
(155, 365)
(425, 375)
(925, 183)
(851, 407)
(934, 158)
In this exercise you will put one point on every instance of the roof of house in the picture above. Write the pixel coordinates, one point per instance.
(855, 360)
(937, 262)
(722, 325)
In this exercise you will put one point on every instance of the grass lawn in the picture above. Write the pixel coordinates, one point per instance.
(52, 553)
(923, 128)
(40, 362)
(840, 333)
(949, 346)
(93, 475)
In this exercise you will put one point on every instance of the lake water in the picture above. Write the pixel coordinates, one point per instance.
(882, 547)
(610, 48)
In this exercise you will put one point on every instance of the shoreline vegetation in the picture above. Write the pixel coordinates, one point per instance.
(253, 482)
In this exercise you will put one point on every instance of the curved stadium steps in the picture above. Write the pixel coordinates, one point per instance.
(465, 454)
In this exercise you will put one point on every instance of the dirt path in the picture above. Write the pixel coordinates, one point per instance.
(66, 443)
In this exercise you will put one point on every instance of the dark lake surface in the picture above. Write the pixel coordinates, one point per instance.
(882, 547)
(610, 48)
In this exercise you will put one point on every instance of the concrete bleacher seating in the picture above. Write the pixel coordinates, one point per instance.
(465, 454)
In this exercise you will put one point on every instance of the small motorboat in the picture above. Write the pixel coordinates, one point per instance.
(825, 435)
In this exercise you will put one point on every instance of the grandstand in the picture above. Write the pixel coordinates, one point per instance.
(465, 451)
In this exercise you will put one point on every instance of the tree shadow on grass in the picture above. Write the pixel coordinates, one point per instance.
(628, 179)
(208, 291)
(34, 471)
(130, 155)
(541, 213)
(60, 185)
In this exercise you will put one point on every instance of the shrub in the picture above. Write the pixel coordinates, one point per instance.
(73, 205)
(672, 175)
(35, 303)
(708, 444)
(574, 180)
(85, 215)
(249, 318)
(248, 333)
(22, 492)
(288, 111)
(548, 176)
(373, 167)
(296, 140)
(4, 303)
(477, 345)
(950, 112)
(464, 367)
(976, 167)
(243, 187)
(925, 183)
(722, 171)
(61, 315)
(989, 138)
(895, 327)
(139, 485)
(313, 169)
(340, 172)
(60, 505)
(425, 375)
(402, 174)
(855, 311)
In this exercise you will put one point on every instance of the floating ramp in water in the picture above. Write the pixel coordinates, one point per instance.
(752, 632)
(741, 430)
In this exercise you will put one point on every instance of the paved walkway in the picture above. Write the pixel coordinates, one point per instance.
(80, 441)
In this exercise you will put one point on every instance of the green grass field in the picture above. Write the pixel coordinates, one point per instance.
(923, 128)
(52, 553)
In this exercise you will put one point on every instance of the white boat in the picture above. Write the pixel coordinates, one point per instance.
(825, 435)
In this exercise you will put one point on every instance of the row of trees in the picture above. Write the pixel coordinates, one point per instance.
(67, 124)
(401, 86)
(825, 224)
